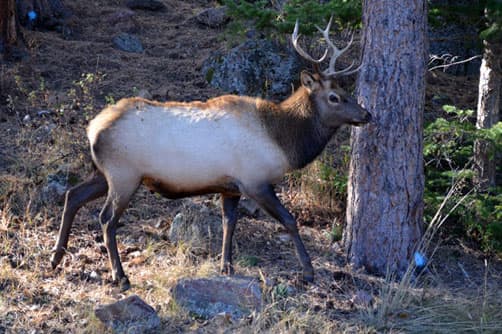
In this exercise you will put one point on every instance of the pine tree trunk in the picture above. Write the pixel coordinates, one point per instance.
(488, 114)
(386, 179)
(9, 32)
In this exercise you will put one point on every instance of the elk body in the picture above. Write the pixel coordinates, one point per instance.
(229, 145)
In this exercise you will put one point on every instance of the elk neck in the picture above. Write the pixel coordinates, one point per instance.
(296, 127)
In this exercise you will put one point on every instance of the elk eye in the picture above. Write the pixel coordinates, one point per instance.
(333, 98)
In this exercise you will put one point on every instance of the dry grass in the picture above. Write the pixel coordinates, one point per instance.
(35, 297)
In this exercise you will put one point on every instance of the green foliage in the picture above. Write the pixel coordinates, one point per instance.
(109, 99)
(471, 14)
(275, 21)
(280, 291)
(210, 75)
(336, 181)
(84, 92)
(448, 152)
(493, 31)
(249, 261)
(336, 232)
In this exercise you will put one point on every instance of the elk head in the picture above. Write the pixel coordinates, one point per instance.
(335, 105)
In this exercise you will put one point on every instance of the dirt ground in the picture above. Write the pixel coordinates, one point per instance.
(46, 101)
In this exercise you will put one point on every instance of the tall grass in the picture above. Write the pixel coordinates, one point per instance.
(408, 303)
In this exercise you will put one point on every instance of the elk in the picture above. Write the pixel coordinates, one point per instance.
(231, 145)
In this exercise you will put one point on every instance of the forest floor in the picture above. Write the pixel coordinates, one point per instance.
(50, 96)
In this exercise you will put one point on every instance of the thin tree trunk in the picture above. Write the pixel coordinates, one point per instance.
(9, 33)
(488, 114)
(386, 179)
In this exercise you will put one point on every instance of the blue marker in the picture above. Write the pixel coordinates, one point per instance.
(32, 15)
(420, 260)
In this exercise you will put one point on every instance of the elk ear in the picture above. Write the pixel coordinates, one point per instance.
(308, 80)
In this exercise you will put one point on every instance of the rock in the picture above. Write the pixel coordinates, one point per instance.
(42, 113)
(127, 42)
(129, 315)
(55, 189)
(209, 297)
(249, 206)
(284, 237)
(256, 68)
(153, 5)
(213, 17)
(197, 228)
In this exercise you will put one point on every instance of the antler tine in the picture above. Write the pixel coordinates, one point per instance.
(348, 70)
(336, 52)
(294, 38)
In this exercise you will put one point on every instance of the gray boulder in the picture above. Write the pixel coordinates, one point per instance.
(255, 68)
(130, 315)
(209, 297)
(127, 42)
(55, 188)
(213, 17)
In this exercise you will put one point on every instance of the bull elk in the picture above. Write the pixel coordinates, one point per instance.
(232, 145)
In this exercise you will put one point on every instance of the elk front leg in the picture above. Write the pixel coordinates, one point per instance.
(75, 198)
(265, 196)
(229, 219)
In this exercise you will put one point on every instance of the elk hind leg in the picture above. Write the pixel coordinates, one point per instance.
(91, 189)
(117, 200)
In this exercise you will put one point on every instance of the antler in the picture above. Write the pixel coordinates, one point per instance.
(294, 38)
(335, 52)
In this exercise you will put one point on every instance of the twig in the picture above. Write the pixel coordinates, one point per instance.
(450, 61)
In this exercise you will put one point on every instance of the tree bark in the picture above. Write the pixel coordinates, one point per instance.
(9, 32)
(386, 179)
(487, 114)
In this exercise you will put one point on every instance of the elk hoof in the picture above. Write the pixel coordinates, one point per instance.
(308, 276)
(56, 257)
(227, 269)
(124, 284)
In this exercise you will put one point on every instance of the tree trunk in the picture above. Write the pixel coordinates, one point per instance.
(9, 32)
(386, 179)
(488, 114)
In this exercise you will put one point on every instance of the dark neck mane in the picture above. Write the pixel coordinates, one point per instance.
(296, 127)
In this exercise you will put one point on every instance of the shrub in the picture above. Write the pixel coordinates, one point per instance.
(448, 154)
(280, 19)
